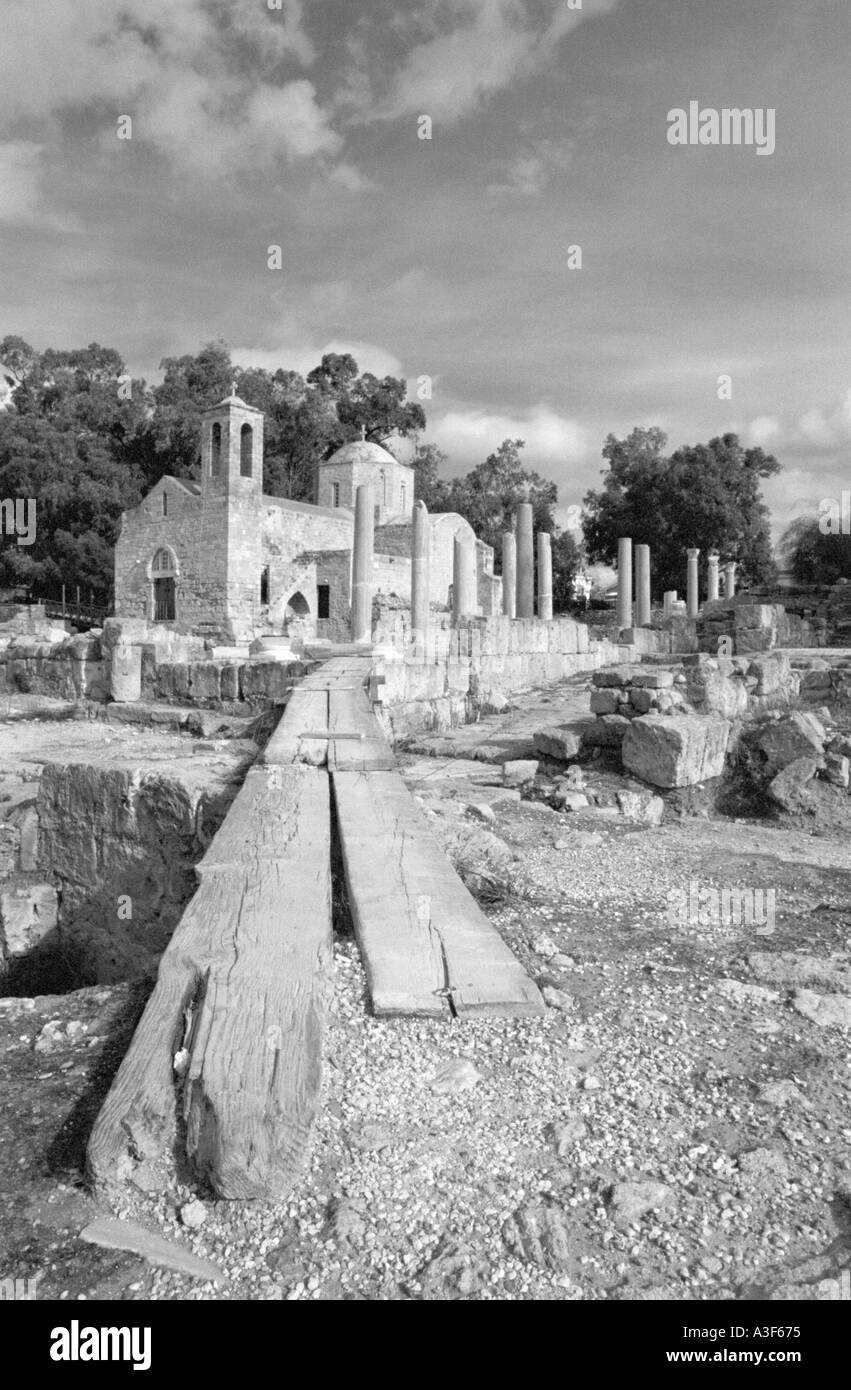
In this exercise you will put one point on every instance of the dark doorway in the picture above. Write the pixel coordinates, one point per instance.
(323, 600)
(164, 606)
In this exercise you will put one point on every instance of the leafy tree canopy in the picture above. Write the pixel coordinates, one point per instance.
(817, 556)
(705, 495)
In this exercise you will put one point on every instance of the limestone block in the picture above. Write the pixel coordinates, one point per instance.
(180, 670)
(557, 741)
(652, 680)
(27, 915)
(164, 688)
(790, 787)
(756, 639)
(518, 771)
(786, 740)
(838, 769)
(642, 701)
(754, 615)
(605, 701)
(675, 750)
(205, 681)
(618, 677)
(229, 684)
(582, 638)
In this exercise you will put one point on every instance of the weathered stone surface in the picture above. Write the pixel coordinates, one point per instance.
(642, 806)
(539, 1233)
(675, 750)
(618, 677)
(557, 742)
(518, 771)
(641, 700)
(797, 735)
(740, 992)
(651, 680)
(789, 787)
(605, 701)
(570, 800)
(837, 769)
(115, 1234)
(796, 968)
(632, 1200)
(27, 915)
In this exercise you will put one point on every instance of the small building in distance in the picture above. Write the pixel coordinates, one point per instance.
(220, 558)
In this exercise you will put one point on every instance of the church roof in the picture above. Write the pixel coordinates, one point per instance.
(234, 399)
(360, 451)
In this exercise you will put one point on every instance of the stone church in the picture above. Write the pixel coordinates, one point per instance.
(221, 559)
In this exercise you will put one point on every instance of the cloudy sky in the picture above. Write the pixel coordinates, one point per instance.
(297, 126)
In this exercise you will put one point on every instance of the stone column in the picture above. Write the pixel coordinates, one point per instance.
(624, 582)
(668, 600)
(525, 606)
(463, 578)
(362, 567)
(642, 586)
(730, 579)
(509, 574)
(692, 585)
(545, 576)
(125, 677)
(712, 577)
(420, 587)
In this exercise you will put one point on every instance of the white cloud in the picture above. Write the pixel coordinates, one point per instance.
(529, 173)
(203, 98)
(762, 431)
(452, 73)
(298, 356)
(351, 179)
(552, 441)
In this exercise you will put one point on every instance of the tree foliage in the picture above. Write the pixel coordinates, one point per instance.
(704, 495)
(817, 556)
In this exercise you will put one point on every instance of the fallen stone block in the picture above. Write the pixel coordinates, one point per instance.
(642, 806)
(826, 1010)
(675, 750)
(651, 680)
(789, 788)
(837, 769)
(27, 915)
(570, 801)
(557, 742)
(518, 771)
(797, 735)
(605, 701)
(617, 676)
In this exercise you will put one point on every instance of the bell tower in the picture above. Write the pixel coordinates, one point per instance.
(232, 449)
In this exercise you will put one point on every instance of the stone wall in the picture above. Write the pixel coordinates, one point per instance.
(476, 667)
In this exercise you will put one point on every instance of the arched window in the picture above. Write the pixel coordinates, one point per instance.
(216, 451)
(165, 504)
(246, 449)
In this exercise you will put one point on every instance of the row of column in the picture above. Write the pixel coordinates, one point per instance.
(642, 584)
(518, 568)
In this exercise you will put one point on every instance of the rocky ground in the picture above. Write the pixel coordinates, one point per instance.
(675, 1127)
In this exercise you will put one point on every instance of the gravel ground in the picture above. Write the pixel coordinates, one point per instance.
(661, 1133)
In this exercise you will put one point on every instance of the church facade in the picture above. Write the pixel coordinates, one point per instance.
(219, 558)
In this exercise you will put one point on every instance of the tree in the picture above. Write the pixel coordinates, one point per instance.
(66, 442)
(817, 557)
(704, 495)
(488, 495)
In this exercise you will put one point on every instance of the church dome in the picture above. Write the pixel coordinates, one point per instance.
(359, 451)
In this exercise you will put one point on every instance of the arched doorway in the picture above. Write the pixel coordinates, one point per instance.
(297, 619)
(164, 572)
